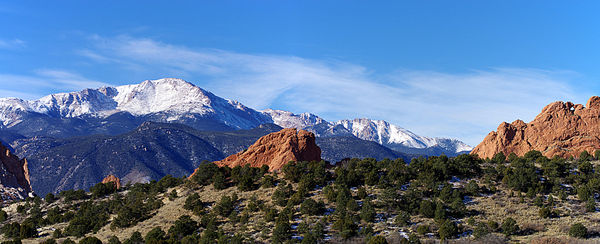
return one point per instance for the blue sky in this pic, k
(439, 68)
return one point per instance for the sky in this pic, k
(438, 68)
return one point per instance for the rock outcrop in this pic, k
(113, 179)
(277, 149)
(14, 176)
(562, 129)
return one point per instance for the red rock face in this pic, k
(14, 176)
(114, 179)
(562, 129)
(277, 149)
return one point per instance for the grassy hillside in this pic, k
(529, 199)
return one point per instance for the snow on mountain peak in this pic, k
(175, 98)
(153, 96)
(287, 119)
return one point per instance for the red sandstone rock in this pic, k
(14, 176)
(277, 149)
(562, 129)
(114, 179)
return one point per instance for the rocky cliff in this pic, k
(562, 129)
(14, 176)
(113, 179)
(277, 149)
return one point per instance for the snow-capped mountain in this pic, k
(287, 119)
(166, 99)
(378, 131)
(115, 110)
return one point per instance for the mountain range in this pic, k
(169, 126)
(116, 110)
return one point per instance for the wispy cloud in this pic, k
(43, 80)
(465, 106)
(11, 44)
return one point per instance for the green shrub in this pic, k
(480, 230)
(103, 189)
(312, 207)
(447, 230)
(90, 240)
(183, 226)
(377, 240)
(50, 198)
(578, 230)
(136, 238)
(509, 226)
(114, 240)
(3, 215)
(49, 241)
(155, 236)
(225, 206)
(194, 204)
(423, 229)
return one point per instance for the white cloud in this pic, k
(11, 44)
(465, 106)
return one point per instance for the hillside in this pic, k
(154, 150)
(485, 201)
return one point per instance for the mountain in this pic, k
(382, 132)
(117, 110)
(154, 150)
(562, 129)
(335, 149)
(151, 151)
(14, 176)
(113, 110)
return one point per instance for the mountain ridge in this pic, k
(115, 110)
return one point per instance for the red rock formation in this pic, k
(14, 176)
(277, 149)
(114, 179)
(562, 129)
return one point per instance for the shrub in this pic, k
(103, 189)
(480, 230)
(545, 212)
(282, 230)
(204, 174)
(312, 207)
(66, 241)
(219, 181)
(590, 205)
(50, 198)
(3, 215)
(402, 219)
(114, 240)
(427, 209)
(183, 226)
(155, 235)
(49, 241)
(578, 230)
(447, 230)
(225, 206)
(90, 240)
(194, 204)
(136, 238)
(173, 195)
(57, 234)
(509, 226)
(377, 240)
(423, 229)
